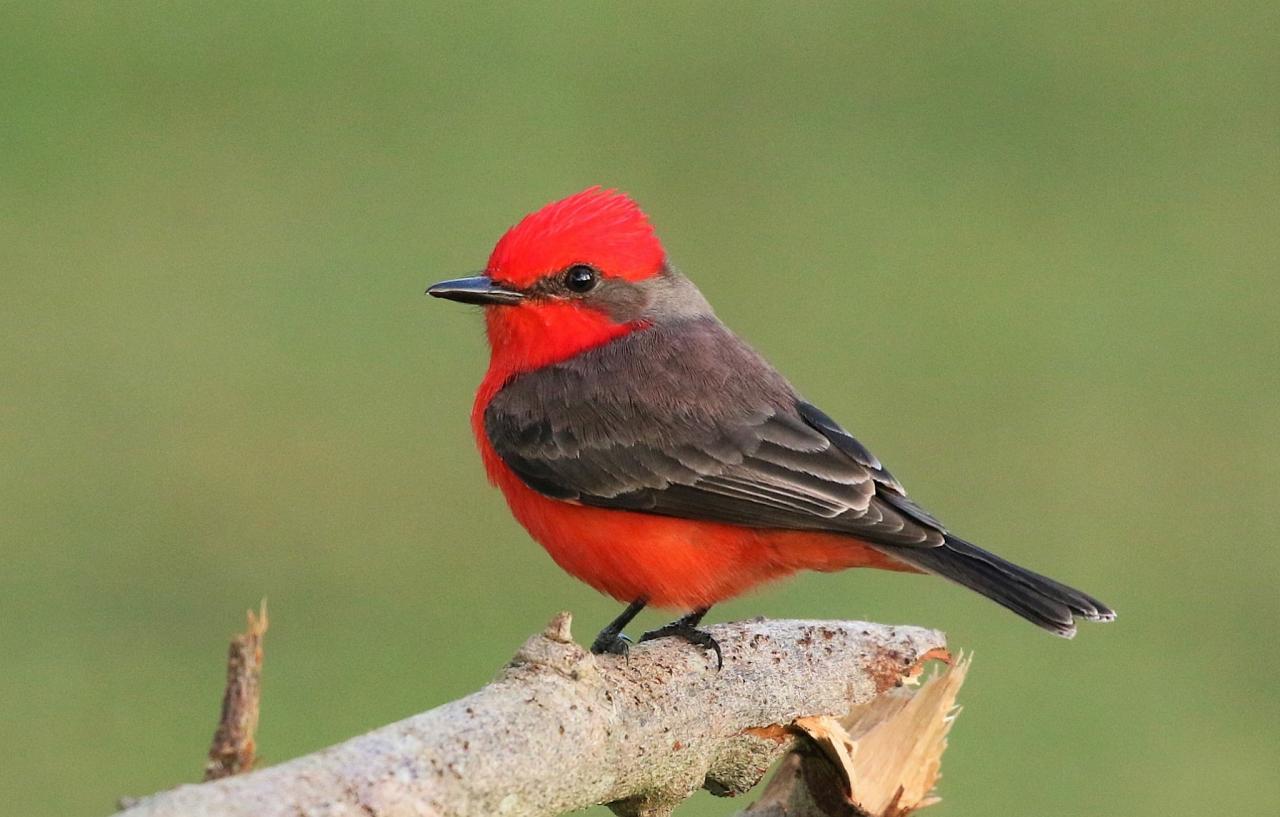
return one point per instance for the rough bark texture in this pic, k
(561, 729)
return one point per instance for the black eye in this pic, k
(581, 278)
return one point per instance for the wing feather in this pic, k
(739, 447)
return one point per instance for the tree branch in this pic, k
(561, 729)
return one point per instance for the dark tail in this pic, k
(1038, 599)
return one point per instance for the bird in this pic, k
(657, 457)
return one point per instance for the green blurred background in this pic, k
(1027, 253)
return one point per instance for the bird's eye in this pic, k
(581, 278)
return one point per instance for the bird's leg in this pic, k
(686, 627)
(611, 639)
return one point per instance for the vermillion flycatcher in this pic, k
(661, 460)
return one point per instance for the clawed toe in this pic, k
(693, 635)
(609, 644)
(611, 641)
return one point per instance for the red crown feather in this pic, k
(603, 228)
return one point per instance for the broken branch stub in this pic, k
(882, 759)
(233, 748)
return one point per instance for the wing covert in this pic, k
(744, 450)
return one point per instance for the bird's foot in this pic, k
(686, 628)
(611, 643)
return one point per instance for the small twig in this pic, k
(232, 751)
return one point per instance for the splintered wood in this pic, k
(233, 748)
(880, 760)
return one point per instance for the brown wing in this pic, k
(639, 424)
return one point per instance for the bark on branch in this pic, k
(561, 729)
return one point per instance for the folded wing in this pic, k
(748, 454)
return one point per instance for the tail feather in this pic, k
(1039, 599)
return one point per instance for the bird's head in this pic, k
(575, 274)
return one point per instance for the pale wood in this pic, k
(882, 759)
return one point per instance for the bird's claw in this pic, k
(690, 633)
(611, 644)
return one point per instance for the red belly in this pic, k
(675, 563)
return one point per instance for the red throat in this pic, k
(529, 336)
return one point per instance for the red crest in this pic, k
(603, 228)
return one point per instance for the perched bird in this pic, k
(658, 458)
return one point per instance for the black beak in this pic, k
(479, 289)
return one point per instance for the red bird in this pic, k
(658, 458)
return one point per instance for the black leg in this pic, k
(611, 639)
(686, 627)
